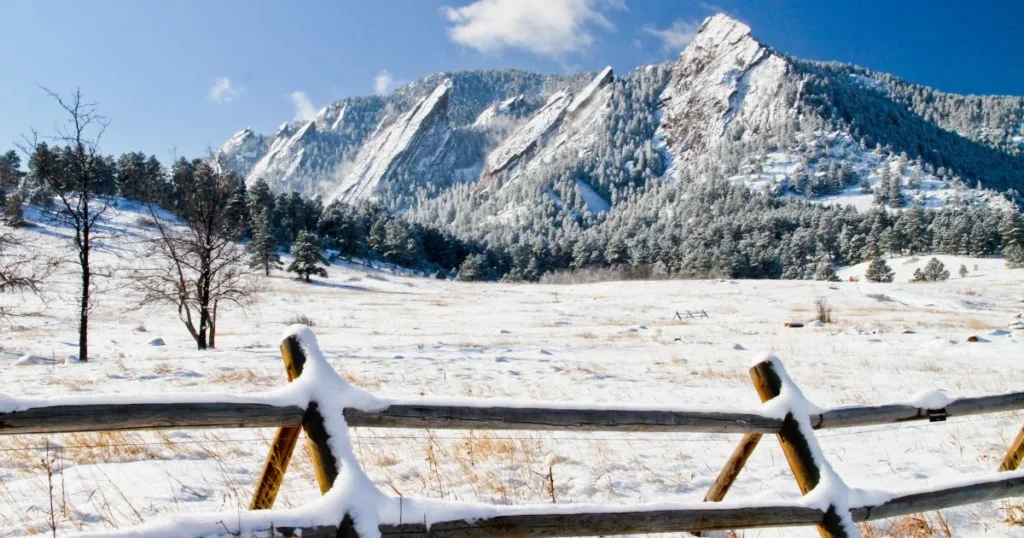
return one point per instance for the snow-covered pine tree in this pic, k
(1013, 239)
(263, 247)
(14, 211)
(825, 272)
(934, 271)
(879, 271)
(308, 257)
(895, 194)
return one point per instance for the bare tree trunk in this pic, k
(213, 327)
(83, 320)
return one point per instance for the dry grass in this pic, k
(1014, 513)
(911, 526)
(244, 376)
(979, 325)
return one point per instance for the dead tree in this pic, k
(20, 270)
(197, 266)
(72, 175)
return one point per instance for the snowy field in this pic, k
(614, 343)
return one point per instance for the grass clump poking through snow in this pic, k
(300, 319)
(823, 310)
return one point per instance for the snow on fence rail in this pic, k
(320, 403)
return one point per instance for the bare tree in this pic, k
(72, 177)
(198, 266)
(20, 271)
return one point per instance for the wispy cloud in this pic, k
(304, 109)
(382, 82)
(224, 91)
(546, 27)
(676, 37)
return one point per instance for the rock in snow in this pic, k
(156, 342)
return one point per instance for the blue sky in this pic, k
(175, 77)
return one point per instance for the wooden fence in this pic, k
(691, 315)
(794, 432)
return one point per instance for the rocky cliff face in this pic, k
(724, 79)
(417, 142)
(242, 151)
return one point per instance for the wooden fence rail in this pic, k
(795, 433)
(688, 520)
(110, 417)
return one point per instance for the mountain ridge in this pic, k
(728, 106)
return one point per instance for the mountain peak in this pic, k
(721, 24)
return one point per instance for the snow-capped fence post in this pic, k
(324, 463)
(1016, 453)
(767, 376)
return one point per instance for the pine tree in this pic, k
(263, 247)
(879, 271)
(883, 187)
(963, 271)
(14, 212)
(895, 194)
(825, 272)
(307, 257)
(474, 267)
(1013, 239)
(10, 170)
(934, 271)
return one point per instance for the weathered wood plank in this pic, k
(732, 467)
(531, 418)
(596, 524)
(1016, 453)
(111, 417)
(941, 499)
(281, 450)
(280, 455)
(795, 446)
(872, 415)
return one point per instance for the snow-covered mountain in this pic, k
(478, 147)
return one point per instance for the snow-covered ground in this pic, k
(614, 343)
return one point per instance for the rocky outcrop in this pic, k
(242, 151)
(561, 109)
(414, 142)
(724, 76)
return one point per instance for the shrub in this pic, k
(823, 310)
(300, 319)
(879, 271)
(935, 271)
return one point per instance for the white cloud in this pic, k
(224, 91)
(676, 37)
(547, 27)
(382, 82)
(304, 109)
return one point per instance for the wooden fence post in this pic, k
(1015, 454)
(732, 468)
(795, 446)
(281, 450)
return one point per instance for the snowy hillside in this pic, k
(612, 343)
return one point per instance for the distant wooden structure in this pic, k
(697, 314)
